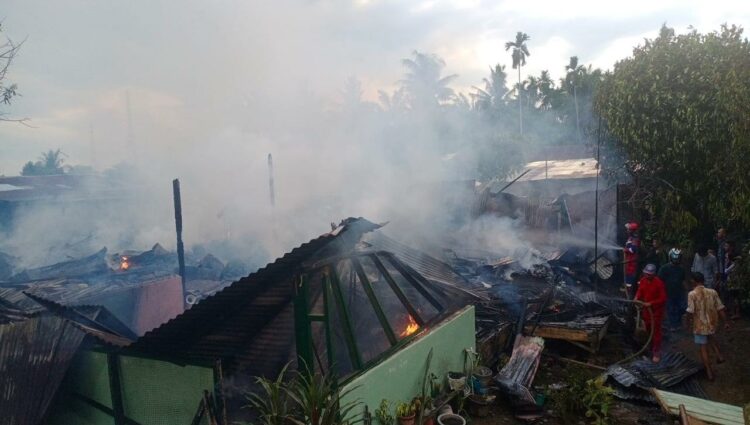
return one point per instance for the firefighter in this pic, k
(653, 295)
(630, 258)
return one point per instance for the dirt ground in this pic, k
(732, 384)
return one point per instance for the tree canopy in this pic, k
(8, 51)
(678, 111)
(49, 163)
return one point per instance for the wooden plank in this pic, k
(705, 410)
(580, 335)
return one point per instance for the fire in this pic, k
(411, 327)
(124, 263)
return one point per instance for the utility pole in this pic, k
(178, 227)
(596, 207)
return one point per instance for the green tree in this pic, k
(8, 51)
(49, 163)
(547, 91)
(492, 97)
(572, 77)
(519, 52)
(678, 111)
(424, 85)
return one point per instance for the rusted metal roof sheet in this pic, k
(230, 324)
(34, 356)
(516, 376)
(560, 169)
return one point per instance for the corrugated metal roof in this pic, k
(229, 324)
(559, 169)
(674, 372)
(705, 410)
(34, 356)
(426, 265)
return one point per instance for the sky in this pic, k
(195, 71)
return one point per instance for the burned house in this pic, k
(335, 303)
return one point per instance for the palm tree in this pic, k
(495, 90)
(519, 54)
(531, 88)
(574, 72)
(546, 90)
(423, 83)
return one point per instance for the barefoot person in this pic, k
(652, 294)
(704, 309)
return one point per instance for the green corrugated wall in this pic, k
(399, 377)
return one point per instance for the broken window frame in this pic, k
(333, 298)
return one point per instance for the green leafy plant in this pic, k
(423, 401)
(383, 413)
(404, 410)
(320, 401)
(271, 405)
(305, 399)
(582, 397)
(597, 400)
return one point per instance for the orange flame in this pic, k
(411, 327)
(124, 263)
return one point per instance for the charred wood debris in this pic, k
(528, 304)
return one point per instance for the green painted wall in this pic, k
(399, 377)
(153, 392)
(162, 393)
(87, 376)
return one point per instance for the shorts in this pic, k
(700, 339)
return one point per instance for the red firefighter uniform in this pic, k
(632, 246)
(651, 290)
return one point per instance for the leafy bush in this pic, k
(583, 397)
(383, 413)
(305, 399)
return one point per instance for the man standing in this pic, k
(630, 257)
(656, 255)
(704, 308)
(673, 276)
(652, 293)
(705, 262)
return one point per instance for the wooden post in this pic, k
(115, 391)
(178, 228)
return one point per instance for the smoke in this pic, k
(211, 119)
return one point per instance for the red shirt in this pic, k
(632, 246)
(651, 290)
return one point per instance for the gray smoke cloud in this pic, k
(215, 88)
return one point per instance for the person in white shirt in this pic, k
(706, 263)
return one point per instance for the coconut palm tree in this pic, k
(519, 53)
(423, 81)
(495, 90)
(546, 90)
(574, 72)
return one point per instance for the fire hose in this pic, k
(640, 305)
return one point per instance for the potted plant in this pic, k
(383, 413)
(406, 413)
(479, 405)
(450, 419)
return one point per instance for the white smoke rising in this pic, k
(208, 111)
